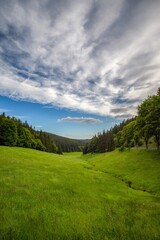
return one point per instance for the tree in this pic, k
(149, 118)
(27, 139)
(108, 140)
(144, 130)
(54, 148)
(8, 132)
(118, 139)
(13, 132)
(92, 146)
(39, 145)
(128, 134)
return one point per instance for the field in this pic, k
(101, 196)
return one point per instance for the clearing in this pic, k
(98, 196)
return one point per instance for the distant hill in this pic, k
(68, 144)
(14, 132)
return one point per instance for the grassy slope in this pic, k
(139, 168)
(47, 196)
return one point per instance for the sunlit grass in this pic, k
(49, 196)
(139, 167)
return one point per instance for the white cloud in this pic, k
(39, 126)
(80, 120)
(4, 110)
(93, 56)
(21, 117)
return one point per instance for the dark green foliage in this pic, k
(118, 139)
(149, 118)
(90, 147)
(128, 134)
(25, 139)
(8, 131)
(144, 127)
(49, 143)
(133, 132)
(39, 145)
(122, 148)
(66, 144)
(101, 143)
(106, 141)
(15, 133)
(30, 138)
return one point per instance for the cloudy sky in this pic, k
(89, 63)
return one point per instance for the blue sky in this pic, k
(90, 61)
(62, 122)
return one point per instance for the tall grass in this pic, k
(47, 196)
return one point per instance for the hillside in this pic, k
(68, 144)
(139, 169)
(49, 196)
(14, 132)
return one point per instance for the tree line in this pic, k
(131, 132)
(67, 144)
(105, 141)
(14, 132)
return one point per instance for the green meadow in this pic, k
(97, 196)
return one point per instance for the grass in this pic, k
(140, 168)
(49, 196)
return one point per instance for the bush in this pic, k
(121, 149)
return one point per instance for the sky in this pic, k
(76, 67)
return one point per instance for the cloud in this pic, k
(38, 126)
(92, 56)
(21, 117)
(80, 120)
(4, 110)
(47, 106)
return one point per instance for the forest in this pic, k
(14, 132)
(133, 132)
